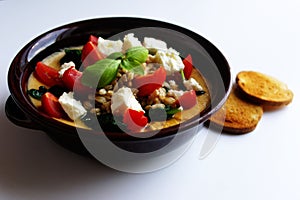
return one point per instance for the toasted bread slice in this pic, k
(237, 116)
(263, 89)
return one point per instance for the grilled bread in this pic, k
(263, 89)
(237, 116)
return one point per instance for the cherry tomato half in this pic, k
(188, 66)
(90, 54)
(135, 120)
(93, 39)
(70, 76)
(51, 105)
(150, 82)
(47, 75)
(188, 99)
(72, 81)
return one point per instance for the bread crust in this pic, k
(262, 89)
(236, 115)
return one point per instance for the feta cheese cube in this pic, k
(130, 41)
(64, 67)
(192, 84)
(173, 85)
(170, 60)
(175, 93)
(154, 44)
(122, 100)
(71, 106)
(107, 47)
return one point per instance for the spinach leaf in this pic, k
(72, 55)
(171, 111)
(107, 122)
(201, 92)
(161, 114)
(37, 94)
(57, 90)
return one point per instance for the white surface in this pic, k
(265, 164)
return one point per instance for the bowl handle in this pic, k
(17, 116)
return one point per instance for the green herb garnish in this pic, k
(115, 56)
(104, 71)
(137, 54)
(37, 94)
(101, 73)
(134, 57)
(132, 66)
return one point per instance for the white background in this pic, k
(262, 35)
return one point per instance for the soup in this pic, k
(136, 86)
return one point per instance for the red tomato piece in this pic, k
(72, 81)
(188, 99)
(93, 39)
(135, 120)
(71, 76)
(188, 66)
(47, 75)
(90, 54)
(150, 82)
(51, 106)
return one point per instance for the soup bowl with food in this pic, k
(131, 85)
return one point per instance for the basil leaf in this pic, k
(138, 70)
(132, 66)
(115, 56)
(101, 73)
(137, 54)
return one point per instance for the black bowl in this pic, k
(206, 57)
